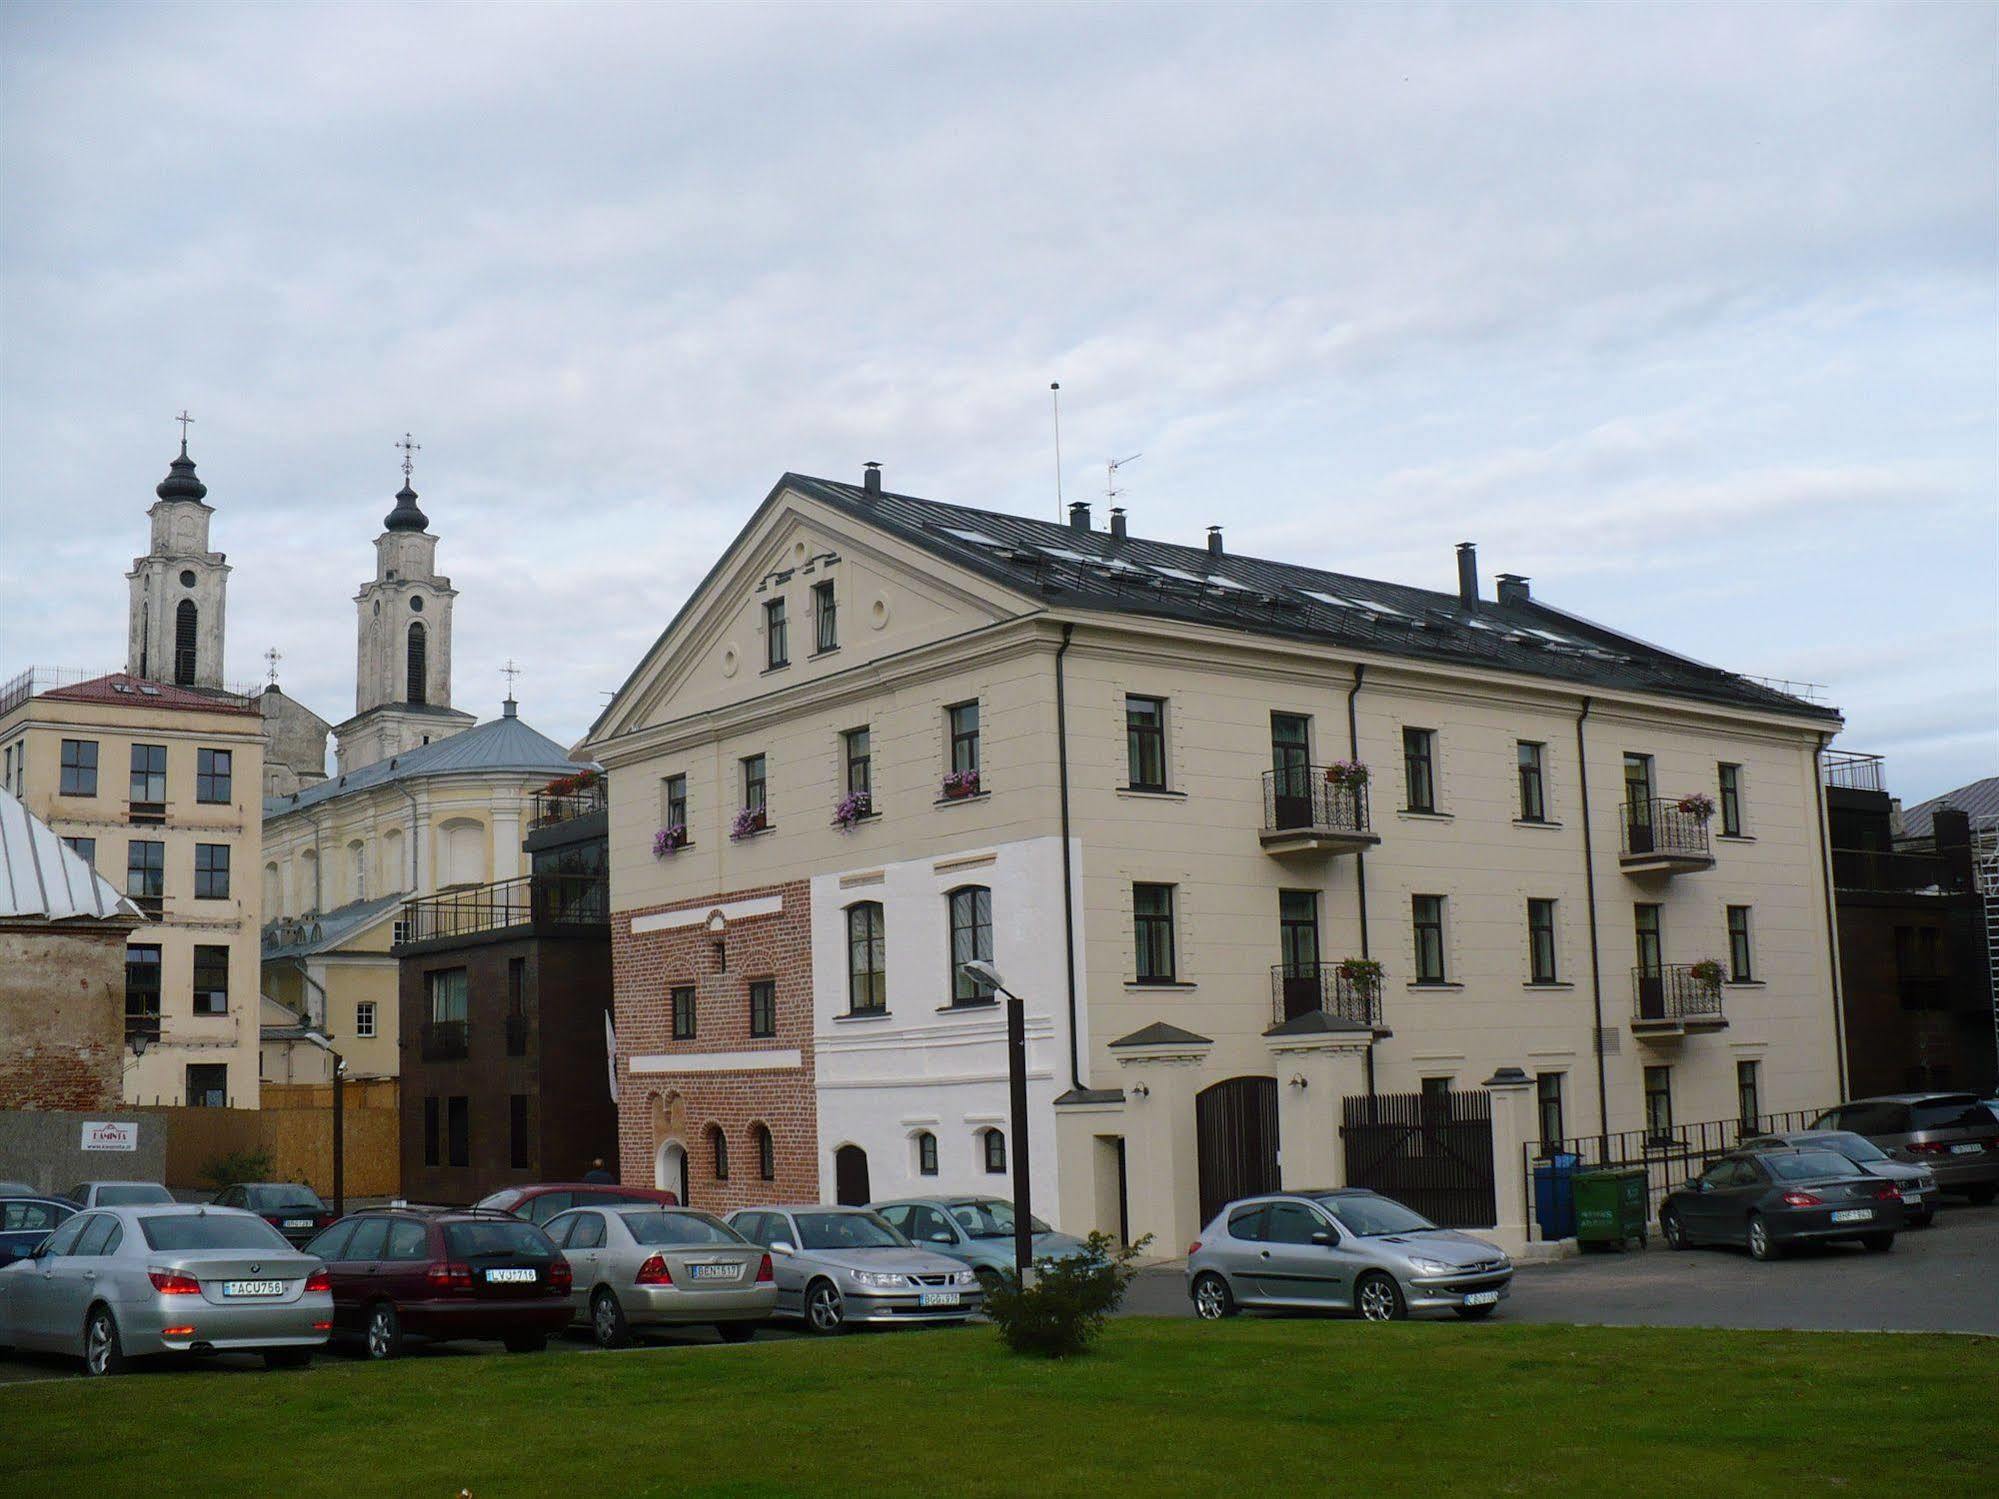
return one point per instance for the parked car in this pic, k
(114, 1284)
(118, 1194)
(294, 1210)
(978, 1231)
(399, 1272)
(26, 1220)
(1770, 1200)
(1951, 1133)
(1917, 1184)
(17, 1189)
(1344, 1249)
(839, 1266)
(654, 1266)
(541, 1201)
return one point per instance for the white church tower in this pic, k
(179, 587)
(402, 682)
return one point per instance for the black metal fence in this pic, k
(1301, 988)
(1659, 827)
(1878, 869)
(538, 900)
(1674, 992)
(1430, 1151)
(552, 807)
(1300, 797)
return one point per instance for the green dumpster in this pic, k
(1610, 1207)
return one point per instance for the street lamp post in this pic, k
(1016, 1080)
(339, 1123)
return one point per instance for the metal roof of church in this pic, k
(298, 936)
(42, 878)
(1978, 799)
(504, 744)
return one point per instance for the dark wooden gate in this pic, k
(1430, 1152)
(1235, 1122)
(850, 1176)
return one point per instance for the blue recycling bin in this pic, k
(1555, 1196)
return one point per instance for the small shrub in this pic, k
(238, 1166)
(1061, 1311)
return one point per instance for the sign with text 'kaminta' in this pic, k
(110, 1134)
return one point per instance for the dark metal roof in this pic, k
(504, 744)
(1091, 1095)
(1086, 569)
(181, 482)
(1979, 799)
(406, 516)
(1159, 1033)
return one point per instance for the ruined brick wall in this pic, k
(62, 1017)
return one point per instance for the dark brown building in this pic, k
(1914, 966)
(505, 995)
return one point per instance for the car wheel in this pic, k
(383, 1332)
(825, 1312)
(1879, 1243)
(1475, 1313)
(1675, 1234)
(1212, 1297)
(526, 1342)
(736, 1332)
(1981, 1197)
(287, 1358)
(1380, 1298)
(607, 1320)
(1761, 1245)
(103, 1353)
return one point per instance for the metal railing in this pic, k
(1302, 799)
(1659, 828)
(552, 807)
(1879, 869)
(1853, 772)
(1672, 993)
(39, 679)
(444, 1040)
(530, 900)
(1811, 692)
(1301, 988)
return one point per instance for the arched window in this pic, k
(308, 881)
(357, 869)
(719, 1144)
(867, 959)
(971, 937)
(995, 1146)
(394, 866)
(766, 1152)
(415, 691)
(187, 620)
(926, 1154)
(274, 894)
(462, 853)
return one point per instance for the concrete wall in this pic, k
(62, 1016)
(44, 1148)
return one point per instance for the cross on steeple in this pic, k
(408, 448)
(271, 659)
(185, 422)
(510, 672)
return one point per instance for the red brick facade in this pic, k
(62, 1016)
(720, 958)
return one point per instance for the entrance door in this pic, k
(669, 1170)
(850, 1176)
(1235, 1123)
(1291, 767)
(1651, 975)
(1638, 802)
(1298, 943)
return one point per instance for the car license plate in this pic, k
(1913, 1199)
(716, 1272)
(1966, 1149)
(1482, 1298)
(938, 1298)
(509, 1276)
(253, 1288)
(1852, 1215)
(298, 1223)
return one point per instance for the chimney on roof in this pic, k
(871, 478)
(1214, 541)
(1117, 523)
(1513, 589)
(1468, 574)
(1079, 515)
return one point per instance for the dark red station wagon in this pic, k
(400, 1272)
(540, 1201)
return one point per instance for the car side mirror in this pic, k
(1325, 1238)
(1703, 1185)
(782, 1246)
(942, 1236)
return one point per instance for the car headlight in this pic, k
(1430, 1267)
(965, 1278)
(880, 1280)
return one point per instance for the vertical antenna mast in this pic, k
(1055, 395)
(1111, 491)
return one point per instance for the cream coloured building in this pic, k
(1102, 762)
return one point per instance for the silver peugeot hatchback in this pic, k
(1342, 1250)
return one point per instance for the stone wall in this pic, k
(62, 1017)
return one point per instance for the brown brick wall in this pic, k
(656, 1107)
(62, 1018)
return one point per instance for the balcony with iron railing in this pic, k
(1881, 869)
(1675, 998)
(550, 808)
(37, 680)
(1301, 989)
(1852, 771)
(1661, 836)
(444, 1040)
(1305, 812)
(539, 901)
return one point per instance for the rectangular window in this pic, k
(964, 722)
(857, 749)
(1533, 786)
(1145, 742)
(430, 1132)
(211, 979)
(517, 1131)
(867, 973)
(825, 619)
(681, 998)
(1740, 968)
(753, 786)
(1541, 942)
(142, 991)
(79, 767)
(1659, 1102)
(145, 869)
(1646, 929)
(447, 992)
(458, 1129)
(1298, 932)
(1749, 1094)
(971, 937)
(1548, 1103)
(777, 647)
(1731, 799)
(207, 1085)
(1152, 932)
(212, 779)
(675, 813)
(763, 1007)
(149, 773)
(364, 1019)
(517, 1007)
(84, 848)
(1419, 764)
(211, 871)
(1428, 911)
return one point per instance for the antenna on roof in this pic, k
(1055, 395)
(271, 659)
(1111, 491)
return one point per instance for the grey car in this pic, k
(1918, 1185)
(659, 1266)
(118, 1283)
(975, 1230)
(839, 1266)
(117, 1194)
(1951, 1133)
(1341, 1250)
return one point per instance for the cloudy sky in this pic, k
(1687, 312)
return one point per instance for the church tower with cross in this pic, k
(174, 633)
(402, 679)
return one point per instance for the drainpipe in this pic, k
(1831, 921)
(1595, 949)
(1360, 856)
(1068, 875)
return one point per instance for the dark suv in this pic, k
(398, 1272)
(1952, 1134)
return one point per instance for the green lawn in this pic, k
(1161, 1407)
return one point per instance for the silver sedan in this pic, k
(123, 1282)
(1346, 1249)
(837, 1266)
(655, 1266)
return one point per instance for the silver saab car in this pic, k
(1346, 1250)
(119, 1283)
(975, 1230)
(658, 1266)
(837, 1266)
